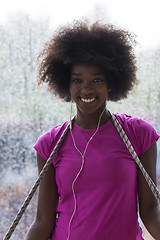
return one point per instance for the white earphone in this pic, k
(82, 165)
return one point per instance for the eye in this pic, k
(98, 80)
(76, 80)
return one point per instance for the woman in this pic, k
(90, 191)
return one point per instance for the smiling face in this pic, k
(88, 88)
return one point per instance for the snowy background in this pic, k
(26, 111)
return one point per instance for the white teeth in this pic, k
(87, 100)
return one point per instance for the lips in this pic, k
(87, 100)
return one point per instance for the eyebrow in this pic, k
(94, 74)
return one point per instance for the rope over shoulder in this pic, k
(125, 139)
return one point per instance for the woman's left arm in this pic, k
(148, 206)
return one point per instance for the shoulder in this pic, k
(53, 133)
(135, 123)
(140, 132)
(46, 141)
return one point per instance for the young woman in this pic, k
(94, 187)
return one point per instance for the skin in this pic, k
(148, 206)
(44, 222)
(88, 82)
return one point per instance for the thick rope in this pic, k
(123, 135)
(36, 184)
(150, 182)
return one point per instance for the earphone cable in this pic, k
(82, 165)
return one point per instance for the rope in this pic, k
(36, 184)
(150, 182)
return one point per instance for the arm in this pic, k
(148, 206)
(47, 203)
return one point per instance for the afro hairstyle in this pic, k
(101, 44)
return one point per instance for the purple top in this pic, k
(106, 189)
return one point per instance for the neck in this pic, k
(90, 121)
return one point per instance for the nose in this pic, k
(87, 88)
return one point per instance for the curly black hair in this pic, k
(101, 44)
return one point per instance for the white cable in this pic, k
(82, 165)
